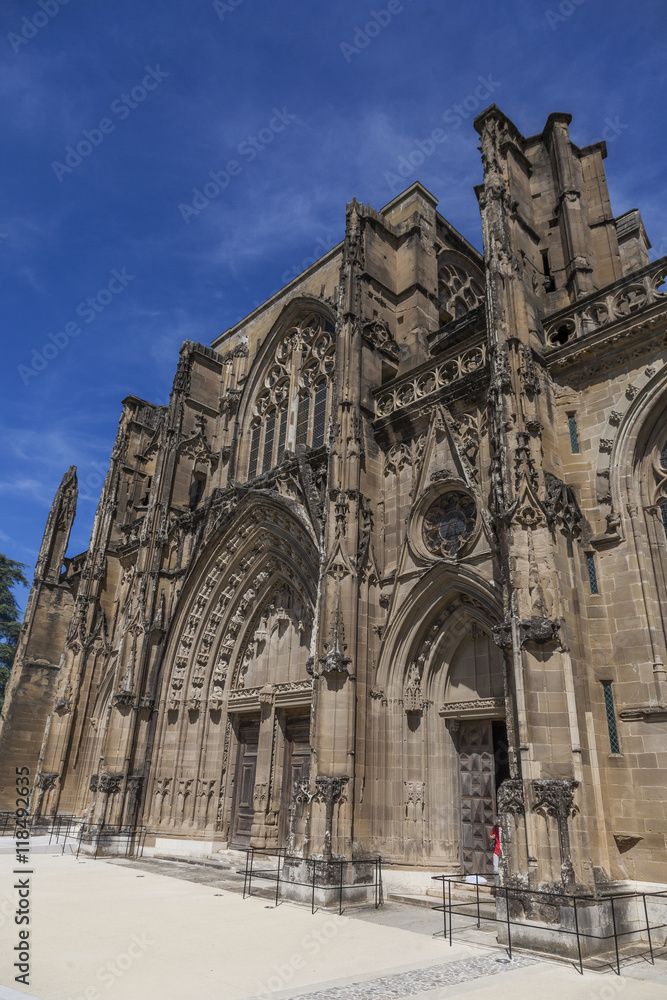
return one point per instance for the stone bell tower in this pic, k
(549, 240)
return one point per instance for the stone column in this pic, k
(264, 822)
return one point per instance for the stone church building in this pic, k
(393, 560)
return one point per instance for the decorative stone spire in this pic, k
(58, 527)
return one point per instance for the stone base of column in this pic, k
(331, 884)
(550, 927)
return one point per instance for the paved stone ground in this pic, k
(415, 982)
(196, 939)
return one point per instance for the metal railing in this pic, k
(577, 903)
(106, 835)
(322, 872)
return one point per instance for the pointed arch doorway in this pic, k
(474, 710)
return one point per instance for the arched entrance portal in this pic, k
(474, 709)
(234, 732)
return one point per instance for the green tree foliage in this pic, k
(10, 626)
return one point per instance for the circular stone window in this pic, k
(449, 523)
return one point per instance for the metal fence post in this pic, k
(312, 902)
(648, 928)
(449, 896)
(576, 924)
(613, 920)
(509, 928)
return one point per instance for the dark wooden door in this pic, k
(477, 769)
(296, 765)
(246, 767)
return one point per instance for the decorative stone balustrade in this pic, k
(631, 295)
(424, 382)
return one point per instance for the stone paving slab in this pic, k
(419, 981)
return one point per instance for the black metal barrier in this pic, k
(325, 867)
(59, 826)
(533, 895)
(72, 831)
(104, 834)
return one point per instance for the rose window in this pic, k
(449, 523)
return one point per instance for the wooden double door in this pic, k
(296, 765)
(483, 764)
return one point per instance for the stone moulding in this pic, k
(613, 304)
(288, 693)
(423, 383)
(643, 713)
(476, 708)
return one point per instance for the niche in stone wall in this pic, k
(476, 668)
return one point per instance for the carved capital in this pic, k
(510, 797)
(556, 795)
(329, 789)
(47, 780)
(110, 783)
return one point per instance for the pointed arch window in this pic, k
(294, 402)
(254, 450)
(269, 432)
(319, 412)
(282, 433)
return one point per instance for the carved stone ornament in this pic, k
(556, 795)
(376, 332)
(123, 698)
(412, 693)
(267, 695)
(329, 789)
(302, 792)
(94, 781)
(46, 780)
(510, 797)
(535, 629)
(110, 783)
(561, 504)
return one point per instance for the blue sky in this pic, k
(169, 92)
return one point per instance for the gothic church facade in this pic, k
(393, 560)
